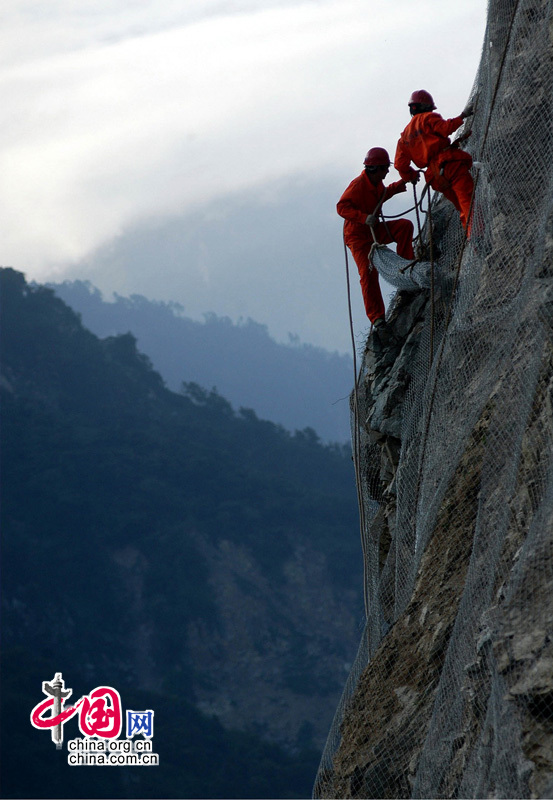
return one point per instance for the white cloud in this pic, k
(122, 111)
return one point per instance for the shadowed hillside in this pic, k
(295, 385)
(161, 543)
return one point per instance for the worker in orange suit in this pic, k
(425, 142)
(360, 207)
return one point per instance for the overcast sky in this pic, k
(194, 151)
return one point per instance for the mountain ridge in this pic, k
(195, 547)
(295, 385)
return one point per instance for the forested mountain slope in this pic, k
(162, 543)
(295, 385)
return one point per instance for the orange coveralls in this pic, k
(425, 142)
(358, 201)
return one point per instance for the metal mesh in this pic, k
(408, 275)
(451, 694)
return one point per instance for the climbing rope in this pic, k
(440, 355)
(356, 439)
(418, 204)
(417, 213)
(432, 288)
(458, 270)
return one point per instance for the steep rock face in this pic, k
(451, 694)
(501, 734)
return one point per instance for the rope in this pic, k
(356, 440)
(408, 210)
(485, 137)
(417, 209)
(432, 289)
(417, 212)
(356, 437)
(458, 268)
(376, 212)
(440, 355)
(375, 244)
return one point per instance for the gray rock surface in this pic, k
(452, 691)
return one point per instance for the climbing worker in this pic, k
(360, 207)
(425, 142)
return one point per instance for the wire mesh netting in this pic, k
(451, 693)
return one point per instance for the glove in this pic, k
(371, 220)
(468, 111)
(415, 176)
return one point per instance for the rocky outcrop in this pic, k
(452, 692)
(500, 681)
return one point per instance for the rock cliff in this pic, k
(452, 691)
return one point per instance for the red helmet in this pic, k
(422, 97)
(377, 157)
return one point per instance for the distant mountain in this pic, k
(202, 561)
(295, 385)
(273, 253)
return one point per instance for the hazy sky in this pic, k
(195, 150)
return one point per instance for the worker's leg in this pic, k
(370, 287)
(400, 231)
(462, 187)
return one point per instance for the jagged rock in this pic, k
(452, 692)
(389, 365)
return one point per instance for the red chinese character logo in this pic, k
(99, 712)
(97, 719)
